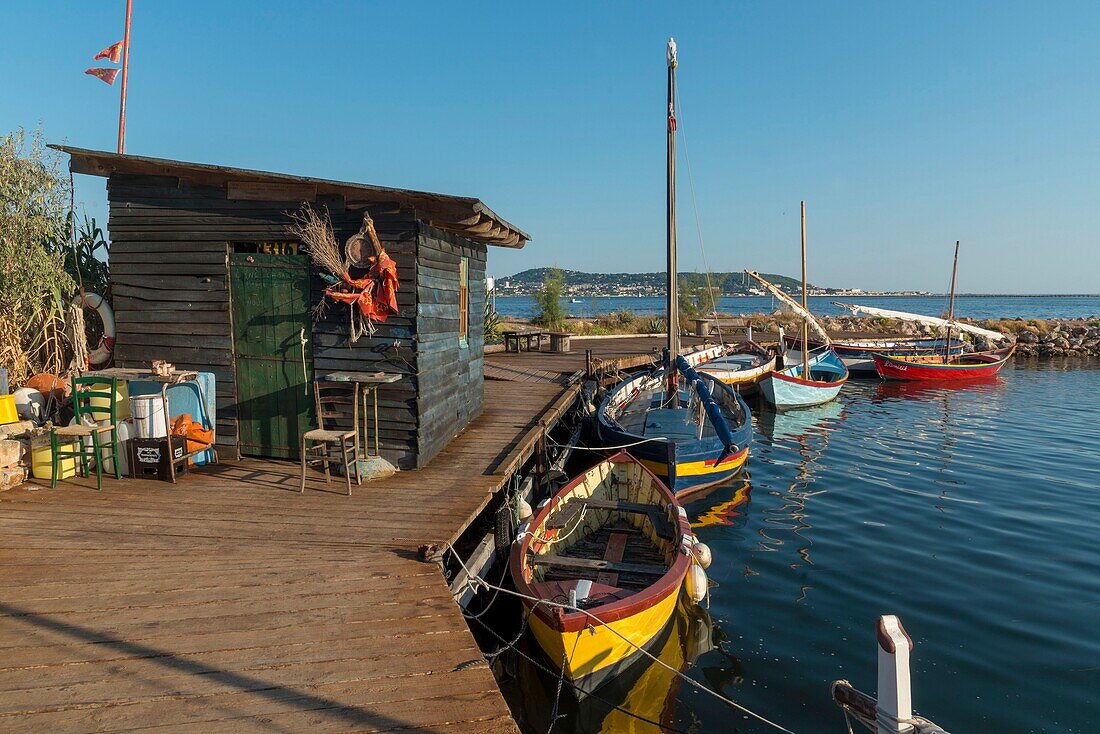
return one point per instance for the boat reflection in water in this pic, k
(900, 390)
(782, 427)
(806, 433)
(642, 699)
(730, 512)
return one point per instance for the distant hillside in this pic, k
(642, 284)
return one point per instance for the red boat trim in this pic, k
(565, 621)
(802, 381)
(729, 459)
(904, 369)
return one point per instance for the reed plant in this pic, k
(35, 206)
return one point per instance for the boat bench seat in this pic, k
(589, 564)
(566, 516)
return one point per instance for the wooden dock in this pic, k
(230, 602)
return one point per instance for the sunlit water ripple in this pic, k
(971, 512)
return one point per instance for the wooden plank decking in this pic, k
(230, 602)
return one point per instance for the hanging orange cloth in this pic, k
(374, 295)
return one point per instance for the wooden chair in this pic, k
(76, 433)
(334, 401)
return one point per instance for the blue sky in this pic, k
(905, 126)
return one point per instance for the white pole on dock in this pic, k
(895, 695)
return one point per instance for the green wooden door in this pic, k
(271, 312)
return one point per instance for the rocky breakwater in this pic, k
(1061, 339)
(1034, 337)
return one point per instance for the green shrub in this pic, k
(622, 317)
(494, 324)
(548, 300)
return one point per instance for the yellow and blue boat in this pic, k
(692, 431)
(614, 544)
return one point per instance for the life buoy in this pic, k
(101, 355)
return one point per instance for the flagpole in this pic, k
(125, 75)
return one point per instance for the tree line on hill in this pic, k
(576, 282)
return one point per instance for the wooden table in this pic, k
(366, 383)
(175, 377)
(515, 336)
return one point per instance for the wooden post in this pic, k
(673, 297)
(951, 305)
(588, 363)
(805, 304)
(895, 699)
(125, 79)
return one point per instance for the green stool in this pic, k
(83, 396)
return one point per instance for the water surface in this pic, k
(978, 307)
(972, 512)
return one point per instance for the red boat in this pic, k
(937, 367)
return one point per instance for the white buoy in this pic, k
(521, 531)
(29, 404)
(895, 696)
(525, 513)
(701, 552)
(696, 582)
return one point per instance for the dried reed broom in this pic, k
(318, 240)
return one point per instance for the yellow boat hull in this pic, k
(599, 652)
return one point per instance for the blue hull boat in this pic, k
(791, 387)
(692, 439)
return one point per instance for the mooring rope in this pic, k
(512, 645)
(477, 580)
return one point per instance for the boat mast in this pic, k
(951, 305)
(673, 300)
(805, 304)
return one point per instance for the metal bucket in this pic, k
(149, 418)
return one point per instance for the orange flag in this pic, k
(112, 52)
(107, 75)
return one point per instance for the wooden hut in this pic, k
(206, 275)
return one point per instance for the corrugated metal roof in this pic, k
(465, 216)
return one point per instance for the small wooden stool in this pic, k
(559, 341)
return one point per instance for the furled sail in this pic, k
(792, 305)
(993, 336)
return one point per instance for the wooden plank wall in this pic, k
(170, 281)
(332, 351)
(451, 382)
(170, 244)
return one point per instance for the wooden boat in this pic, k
(699, 438)
(615, 543)
(856, 354)
(817, 377)
(646, 689)
(690, 429)
(742, 366)
(812, 381)
(946, 366)
(970, 366)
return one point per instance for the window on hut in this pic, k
(464, 301)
